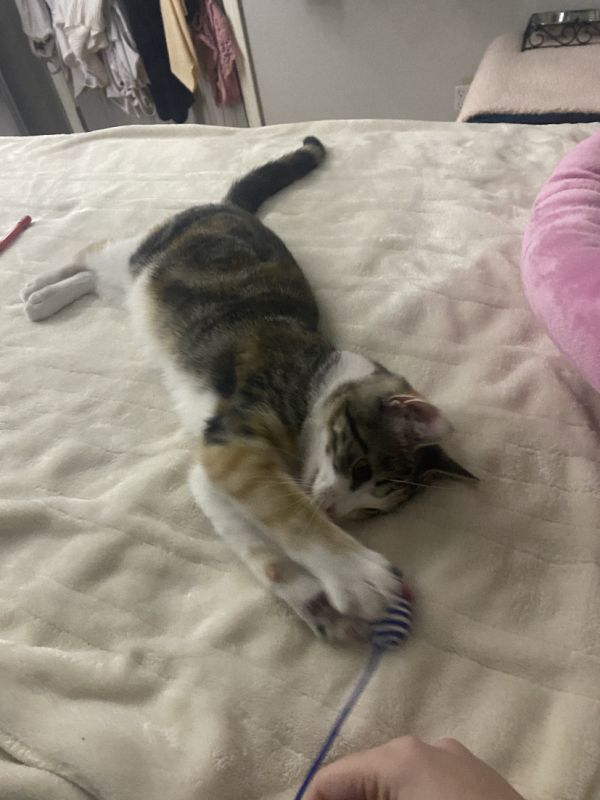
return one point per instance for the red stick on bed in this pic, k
(21, 225)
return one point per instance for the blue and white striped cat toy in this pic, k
(388, 632)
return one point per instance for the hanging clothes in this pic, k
(36, 21)
(171, 97)
(182, 53)
(90, 41)
(217, 52)
(127, 79)
(80, 33)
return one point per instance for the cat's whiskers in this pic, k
(275, 484)
(317, 508)
(272, 483)
(424, 485)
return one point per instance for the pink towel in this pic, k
(561, 256)
(217, 52)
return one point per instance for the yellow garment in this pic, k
(182, 54)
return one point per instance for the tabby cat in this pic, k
(290, 435)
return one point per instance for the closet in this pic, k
(81, 89)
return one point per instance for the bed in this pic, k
(539, 86)
(138, 659)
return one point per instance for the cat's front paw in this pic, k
(304, 594)
(328, 624)
(360, 584)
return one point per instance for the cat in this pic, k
(290, 436)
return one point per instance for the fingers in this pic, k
(354, 777)
(366, 775)
(450, 745)
(409, 769)
(372, 773)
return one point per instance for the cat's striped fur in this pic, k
(284, 427)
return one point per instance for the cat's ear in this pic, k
(407, 412)
(436, 463)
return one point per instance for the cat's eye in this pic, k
(361, 472)
(373, 512)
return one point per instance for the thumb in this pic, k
(350, 778)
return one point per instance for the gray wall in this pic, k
(11, 123)
(27, 77)
(336, 59)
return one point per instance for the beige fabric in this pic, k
(550, 79)
(138, 660)
(182, 53)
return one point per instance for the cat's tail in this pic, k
(251, 191)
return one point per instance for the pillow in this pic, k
(560, 263)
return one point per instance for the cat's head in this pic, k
(379, 446)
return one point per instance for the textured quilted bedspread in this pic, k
(138, 660)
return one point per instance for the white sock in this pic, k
(47, 278)
(52, 298)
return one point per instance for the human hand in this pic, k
(409, 769)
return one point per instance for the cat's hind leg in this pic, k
(53, 297)
(102, 265)
(49, 278)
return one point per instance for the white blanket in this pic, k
(138, 659)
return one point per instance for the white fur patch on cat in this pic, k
(193, 402)
(318, 469)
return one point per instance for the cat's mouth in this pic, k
(309, 484)
(322, 500)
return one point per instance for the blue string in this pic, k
(361, 685)
(388, 632)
